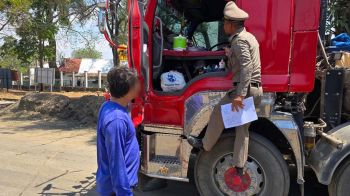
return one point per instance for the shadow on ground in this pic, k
(84, 187)
(312, 188)
(173, 189)
(93, 140)
(48, 124)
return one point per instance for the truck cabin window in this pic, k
(203, 32)
(181, 26)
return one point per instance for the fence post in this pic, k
(61, 79)
(99, 79)
(86, 79)
(20, 80)
(30, 80)
(53, 81)
(73, 79)
(9, 80)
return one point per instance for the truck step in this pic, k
(165, 166)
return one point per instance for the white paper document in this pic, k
(243, 116)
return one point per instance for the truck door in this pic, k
(138, 54)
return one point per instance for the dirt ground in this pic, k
(17, 94)
(44, 157)
(78, 94)
(11, 95)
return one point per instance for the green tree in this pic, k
(89, 52)
(13, 11)
(40, 24)
(338, 20)
(8, 55)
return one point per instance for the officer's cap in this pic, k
(233, 12)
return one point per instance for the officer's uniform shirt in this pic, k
(244, 60)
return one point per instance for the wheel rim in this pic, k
(227, 181)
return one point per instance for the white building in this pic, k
(80, 67)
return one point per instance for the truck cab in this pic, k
(287, 31)
(288, 45)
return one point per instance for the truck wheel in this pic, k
(267, 173)
(339, 185)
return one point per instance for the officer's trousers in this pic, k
(216, 127)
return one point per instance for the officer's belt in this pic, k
(252, 84)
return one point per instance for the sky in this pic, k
(66, 44)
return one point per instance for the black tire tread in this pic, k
(337, 178)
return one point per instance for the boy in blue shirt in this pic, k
(117, 147)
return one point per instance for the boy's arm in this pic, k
(115, 145)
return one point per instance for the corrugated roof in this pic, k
(70, 65)
(92, 66)
(95, 65)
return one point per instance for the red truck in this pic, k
(287, 31)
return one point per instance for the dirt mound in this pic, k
(45, 103)
(84, 109)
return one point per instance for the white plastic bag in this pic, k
(172, 81)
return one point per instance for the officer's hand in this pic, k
(237, 103)
(227, 51)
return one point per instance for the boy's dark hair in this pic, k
(120, 81)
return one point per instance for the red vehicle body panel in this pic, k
(270, 21)
(135, 55)
(307, 14)
(304, 48)
(302, 67)
(170, 109)
(287, 33)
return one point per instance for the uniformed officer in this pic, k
(244, 61)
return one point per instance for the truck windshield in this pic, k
(174, 23)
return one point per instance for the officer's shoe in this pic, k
(240, 171)
(195, 142)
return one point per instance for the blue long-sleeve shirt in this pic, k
(117, 151)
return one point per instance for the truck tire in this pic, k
(266, 168)
(340, 184)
